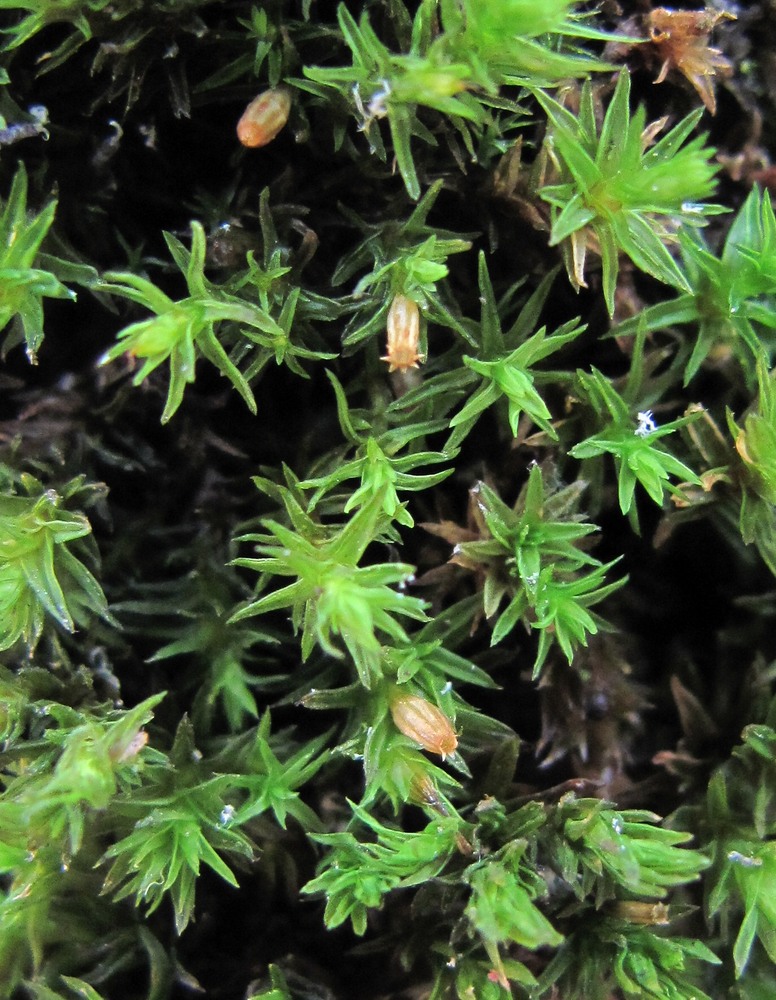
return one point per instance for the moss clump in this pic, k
(381, 601)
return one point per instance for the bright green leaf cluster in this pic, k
(503, 373)
(617, 191)
(506, 374)
(456, 72)
(178, 820)
(731, 297)
(332, 594)
(502, 908)
(381, 84)
(607, 953)
(381, 470)
(272, 784)
(356, 874)
(395, 769)
(63, 769)
(23, 286)
(515, 39)
(90, 758)
(181, 331)
(43, 578)
(610, 852)
(530, 554)
(629, 431)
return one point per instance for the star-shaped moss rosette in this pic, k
(618, 190)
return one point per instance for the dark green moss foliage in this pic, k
(453, 680)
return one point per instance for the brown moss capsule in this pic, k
(403, 335)
(264, 117)
(424, 723)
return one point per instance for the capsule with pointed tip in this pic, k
(424, 723)
(264, 117)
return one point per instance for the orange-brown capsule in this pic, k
(403, 335)
(264, 117)
(424, 723)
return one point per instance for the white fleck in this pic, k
(376, 106)
(447, 688)
(39, 112)
(646, 424)
(227, 815)
(374, 109)
(148, 133)
(744, 859)
(617, 824)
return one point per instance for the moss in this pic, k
(385, 608)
